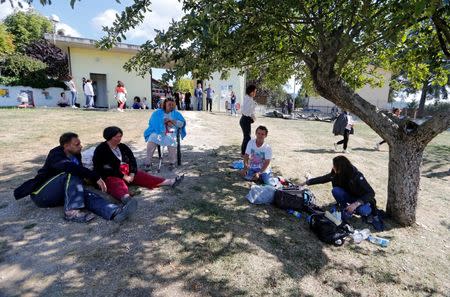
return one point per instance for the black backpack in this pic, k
(327, 231)
(293, 198)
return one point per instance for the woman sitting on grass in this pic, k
(351, 191)
(115, 163)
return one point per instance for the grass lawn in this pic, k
(204, 238)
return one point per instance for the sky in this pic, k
(88, 17)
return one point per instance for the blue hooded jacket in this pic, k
(156, 123)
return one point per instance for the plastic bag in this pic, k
(261, 194)
(239, 164)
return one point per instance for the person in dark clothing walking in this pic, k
(343, 126)
(248, 116)
(187, 100)
(351, 191)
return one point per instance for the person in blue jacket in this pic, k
(162, 130)
(351, 191)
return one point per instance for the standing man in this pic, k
(248, 116)
(209, 96)
(89, 94)
(60, 182)
(198, 93)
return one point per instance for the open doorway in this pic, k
(100, 90)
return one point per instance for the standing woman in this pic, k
(248, 116)
(120, 95)
(233, 104)
(343, 126)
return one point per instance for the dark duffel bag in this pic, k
(293, 198)
(327, 231)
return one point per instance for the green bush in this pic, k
(21, 70)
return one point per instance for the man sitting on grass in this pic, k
(60, 183)
(257, 159)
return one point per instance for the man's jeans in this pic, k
(74, 97)
(233, 108)
(344, 199)
(264, 177)
(68, 190)
(89, 100)
(199, 103)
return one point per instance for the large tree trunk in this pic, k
(403, 183)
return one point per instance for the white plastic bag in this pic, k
(261, 194)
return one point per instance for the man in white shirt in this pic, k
(257, 159)
(89, 93)
(248, 116)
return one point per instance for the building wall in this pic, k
(42, 97)
(222, 89)
(86, 60)
(375, 96)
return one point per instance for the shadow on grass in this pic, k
(435, 161)
(177, 238)
(316, 151)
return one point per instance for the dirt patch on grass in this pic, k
(203, 238)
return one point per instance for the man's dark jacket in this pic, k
(357, 186)
(56, 162)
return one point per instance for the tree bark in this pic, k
(423, 98)
(405, 159)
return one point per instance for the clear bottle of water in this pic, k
(383, 242)
(360, 235)
(295, 213)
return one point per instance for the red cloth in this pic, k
(118, 188)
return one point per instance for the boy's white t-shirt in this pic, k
(257, 155)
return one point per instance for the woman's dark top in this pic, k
(356, 186)
(107, 164)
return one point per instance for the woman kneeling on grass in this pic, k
(351, 191)
(115, 163)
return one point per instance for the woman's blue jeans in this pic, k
(344, 199)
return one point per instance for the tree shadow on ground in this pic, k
(435, 161)
(316, 151)
(201, 238)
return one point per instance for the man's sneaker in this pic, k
(345, 151)
(377, 223)
(125, 211)
(335, 147)
(77, 216)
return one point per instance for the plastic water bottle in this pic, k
(295, 213)
(360, 235)
(332, 218)
(383, 242)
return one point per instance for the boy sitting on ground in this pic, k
(257, 159)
